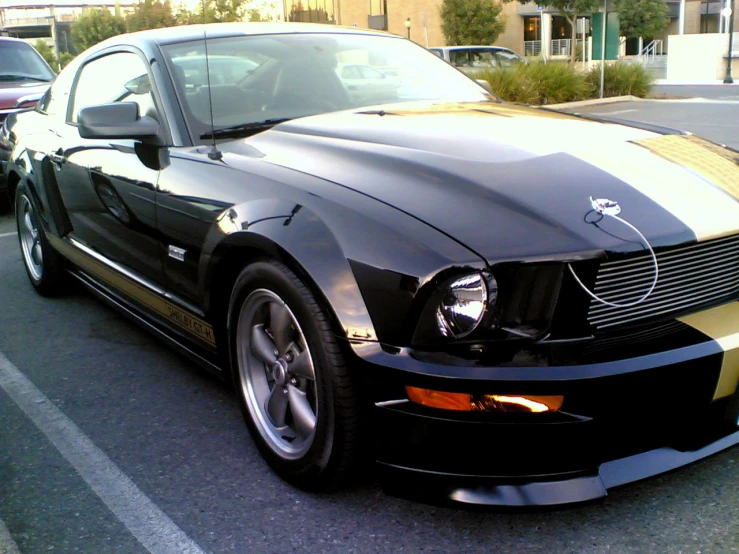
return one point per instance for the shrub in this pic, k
(511, 85)
(622, 79)
(554, 82)
(539, 83)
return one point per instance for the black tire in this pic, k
(44, 265)
(274, 379)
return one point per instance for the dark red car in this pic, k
(24, 78)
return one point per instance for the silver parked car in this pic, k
(474, 59)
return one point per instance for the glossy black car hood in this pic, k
(508, 182)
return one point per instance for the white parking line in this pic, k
(8, 234)
(7, 544)
(150, 525)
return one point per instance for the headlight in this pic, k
(463, 304)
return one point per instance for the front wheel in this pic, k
(44, 265)
(296, 393)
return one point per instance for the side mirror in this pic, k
(484, 84)
(116, 121)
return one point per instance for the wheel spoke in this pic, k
(29, 224)
(305, 419)
(262, 346)
(277, 406)
(281, 326)
(37, 253)
(302, 366)
(286, 433)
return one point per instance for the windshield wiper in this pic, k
(244, 129)
(6, 77)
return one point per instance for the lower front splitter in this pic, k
(543, 490)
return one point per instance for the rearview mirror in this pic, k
(115, 121)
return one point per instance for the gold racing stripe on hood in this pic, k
(722, 325)
(709, 210)
(715, 163)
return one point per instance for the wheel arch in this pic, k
(322, 267)
(13, 180)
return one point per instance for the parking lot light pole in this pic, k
(408, 26)
(730, 14)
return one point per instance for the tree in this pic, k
(46, 52)
(262, 13)
(65, 58)
(642, 18)
(471, 21)
(150, 14)
(216, 11)
(94, 26)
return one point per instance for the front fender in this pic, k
(280, 227)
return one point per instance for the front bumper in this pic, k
(622, 420)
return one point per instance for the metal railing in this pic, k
(651, 50)
(562, 47)
(531, 47)
(558, 47)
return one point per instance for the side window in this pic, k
(459, 58)
(57, 97)
(483, 58)
(349, 72)
(370, 73)
(508, 59)
(119, 77)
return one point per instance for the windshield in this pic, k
(19, 61)
(251, 79)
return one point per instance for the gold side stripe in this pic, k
(171, 312)
(718, 165)
(722, 325)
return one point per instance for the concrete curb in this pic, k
(594, 101)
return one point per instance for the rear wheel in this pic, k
(44, 265)
(297, 396)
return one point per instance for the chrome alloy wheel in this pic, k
(276, 374)
(30, 239)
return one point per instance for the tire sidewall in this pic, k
(24, 192)
(53, 281)
(307, 470)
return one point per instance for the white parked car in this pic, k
(473, 59)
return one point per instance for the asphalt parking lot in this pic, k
(111, 442)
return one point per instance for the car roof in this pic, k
(468, 46)
(187, 33)
(11, 39)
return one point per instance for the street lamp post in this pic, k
(408, 26)
(730, 14)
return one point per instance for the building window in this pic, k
(561, 28)
(532, 27)
(310, 11)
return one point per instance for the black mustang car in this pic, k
(498, 304)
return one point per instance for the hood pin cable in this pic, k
(611, 209)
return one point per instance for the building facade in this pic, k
(529, 30)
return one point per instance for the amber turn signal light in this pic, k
(483, 402)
